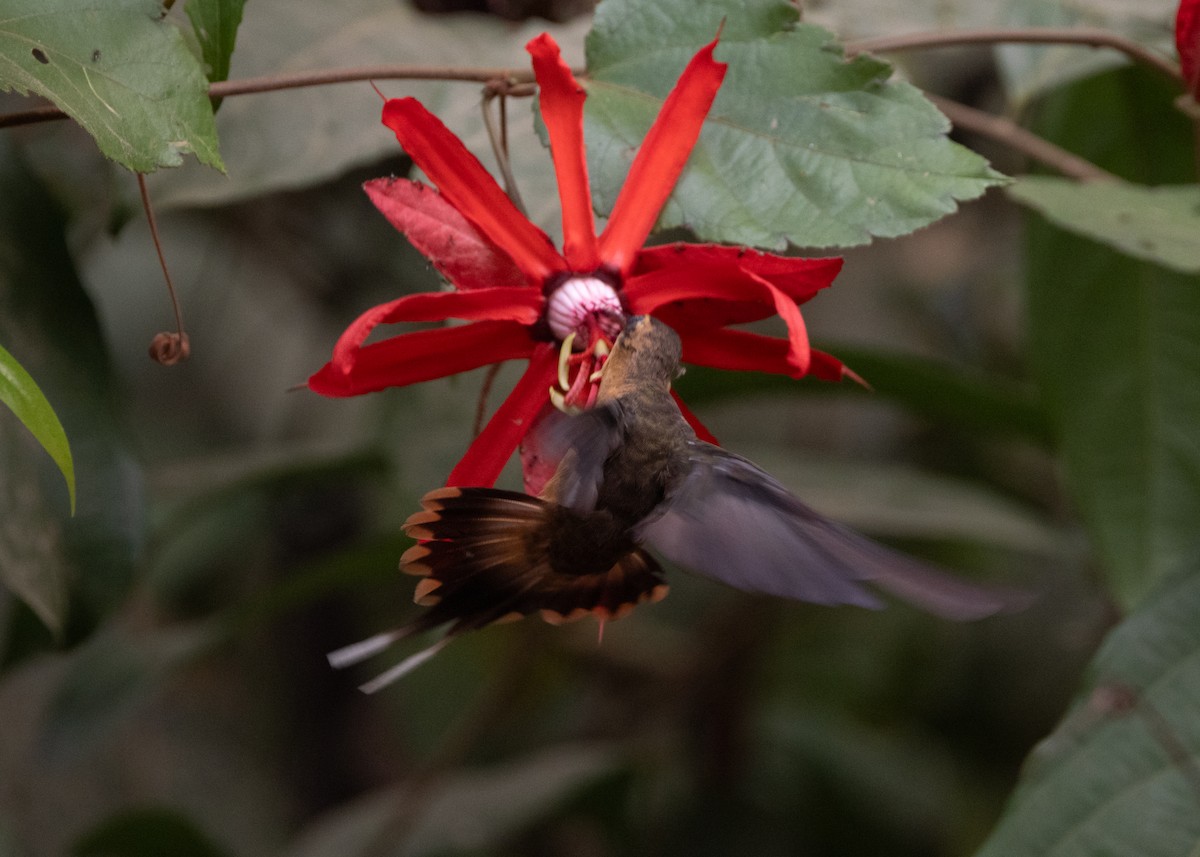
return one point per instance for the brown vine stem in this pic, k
(1088, 36)
(1015, 137)
(166, 348)
(499, 90)
(324, 77)
(31, 116)
(275, 82)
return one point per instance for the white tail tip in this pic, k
(404, 667)
(360, 651)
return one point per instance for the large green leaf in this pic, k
(215, 23)
(1120, 775)
(31, 563)
(801, 145)
(21, 393)
(1160, 224)
(298, 138)
(119, 70)
(46, 317)
(1116, 346)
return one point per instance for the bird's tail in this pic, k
(485, 555)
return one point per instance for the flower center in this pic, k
(581, 304)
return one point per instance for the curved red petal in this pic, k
(696, 312)
(698, 427)
(501, 304)
(420, 356)
(443, 235)
(829, 368)
(660, 159)
(498, 304)
(561, 99)
(738, 351)
(799, 278)
(705, 313)
(470, 188)
(1187, 41)
(722, 282)
(489, 452)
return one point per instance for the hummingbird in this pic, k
(633, 481)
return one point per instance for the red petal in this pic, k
(725, 282)
(711, 313)
(420, 356)
(742, 351)
(798, 278)
(490, 451)
(660, 159)
(470, 188)
(501, 304)
(561, 99)
(440, 233)
(698, 427)
(737, 350)
(1187, 40)
(829, 368)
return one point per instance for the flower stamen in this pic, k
(564, 360)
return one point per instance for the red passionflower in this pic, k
(1187, 40)
(522, 298)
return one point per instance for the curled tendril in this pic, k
(168, 349)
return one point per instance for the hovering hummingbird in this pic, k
(633, 478)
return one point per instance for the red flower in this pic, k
(1187, 40)
(522, 297)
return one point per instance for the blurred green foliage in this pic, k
(230, 532)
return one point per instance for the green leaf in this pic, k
(146, 832)
(1120, 775)
(215, 23)
(1117, 350)
(21, 393)
(801, 146)
(32, 565)
(46, 317)
(119, 70)
(283, 140)
(1116, 346)
(1159, 224)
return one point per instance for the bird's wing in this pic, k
(583, 443)
(729, 520)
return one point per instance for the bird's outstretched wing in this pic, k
(582, 443)
(729, 520)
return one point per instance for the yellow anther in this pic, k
(559, 401)
(564, 356)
